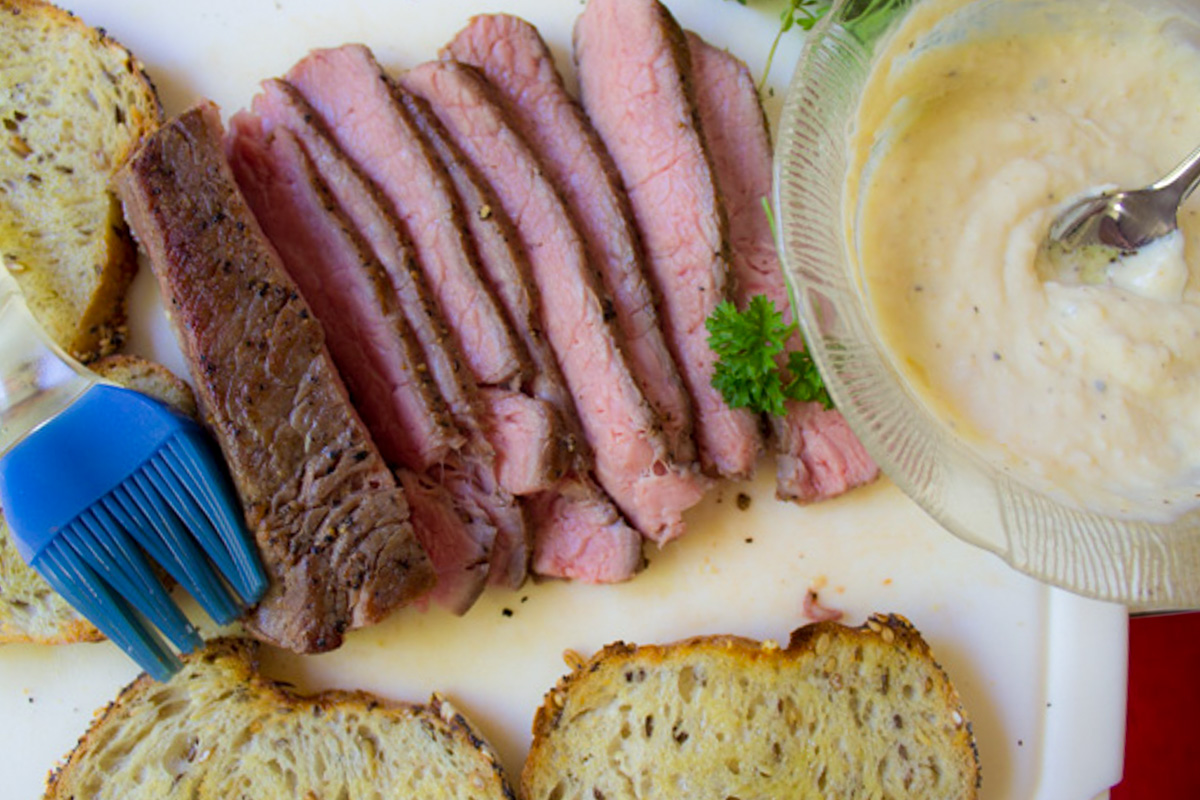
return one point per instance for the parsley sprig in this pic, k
(747, 372)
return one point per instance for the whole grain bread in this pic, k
(30, 611)
(840, 712)
(220, 729)
(73, 105)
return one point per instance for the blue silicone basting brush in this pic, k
(99, 484)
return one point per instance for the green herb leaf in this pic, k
(806, 383)
(747, 373)
(801, 14)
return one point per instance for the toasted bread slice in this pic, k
(841, 712)
(30, 611)
(219, 729)
(73, 104)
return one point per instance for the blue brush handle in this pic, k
(37, 379)
(84, 444)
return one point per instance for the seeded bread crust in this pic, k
(219, 729)
(840, 712)
(30, 611)
(73, 105)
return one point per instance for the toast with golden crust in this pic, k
(73, 105)
(840, 712)
(30, 611)
(220, 729)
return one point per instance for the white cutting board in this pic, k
(1042, 672)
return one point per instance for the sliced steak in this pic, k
(582, 536)
(633, 462)
(471, 472)
(331, 523)
(457, 536)
(372, 346)
(578, 531)
(351, 93)
(350, 292)
(514, 58)
(506, 269)
(634, 78)
(280, 105)
(817, 456)
(519, 420)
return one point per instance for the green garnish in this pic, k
(747, 373)
(801, 14)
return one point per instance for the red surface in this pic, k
(1162, 737)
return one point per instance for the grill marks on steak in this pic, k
(516, 61)
(493, 528)
(634, 76)
(817, 456)
(331, 524)
(633, 463)
(372, 347)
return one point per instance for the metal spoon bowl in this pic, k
(1098, 230)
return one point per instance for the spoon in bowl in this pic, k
(1094, 233)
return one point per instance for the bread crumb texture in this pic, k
(840, 713)
(219, 729)
(73, 106)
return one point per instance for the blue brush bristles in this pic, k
(113, 485)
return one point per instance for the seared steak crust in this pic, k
(350, 292)
(331, 524)
(371, 240)
(372, 346)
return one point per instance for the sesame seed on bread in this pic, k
(220, 729)
(73, 105)
(845, 712)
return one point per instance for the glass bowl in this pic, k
(1145, 565)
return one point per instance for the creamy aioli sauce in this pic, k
(983, 121)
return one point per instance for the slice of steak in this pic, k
(578, 531)
(633, 462)
(520, 420)
(514, 58)
(634, 78)
(474, 472)
(582, 536)
(280, 105)
(370, 341)
(349, 291)
(456, 535)
(506, 269)
(331, 523)
(817, 456)
(350, 92)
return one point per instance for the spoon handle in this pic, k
(1180, 182)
